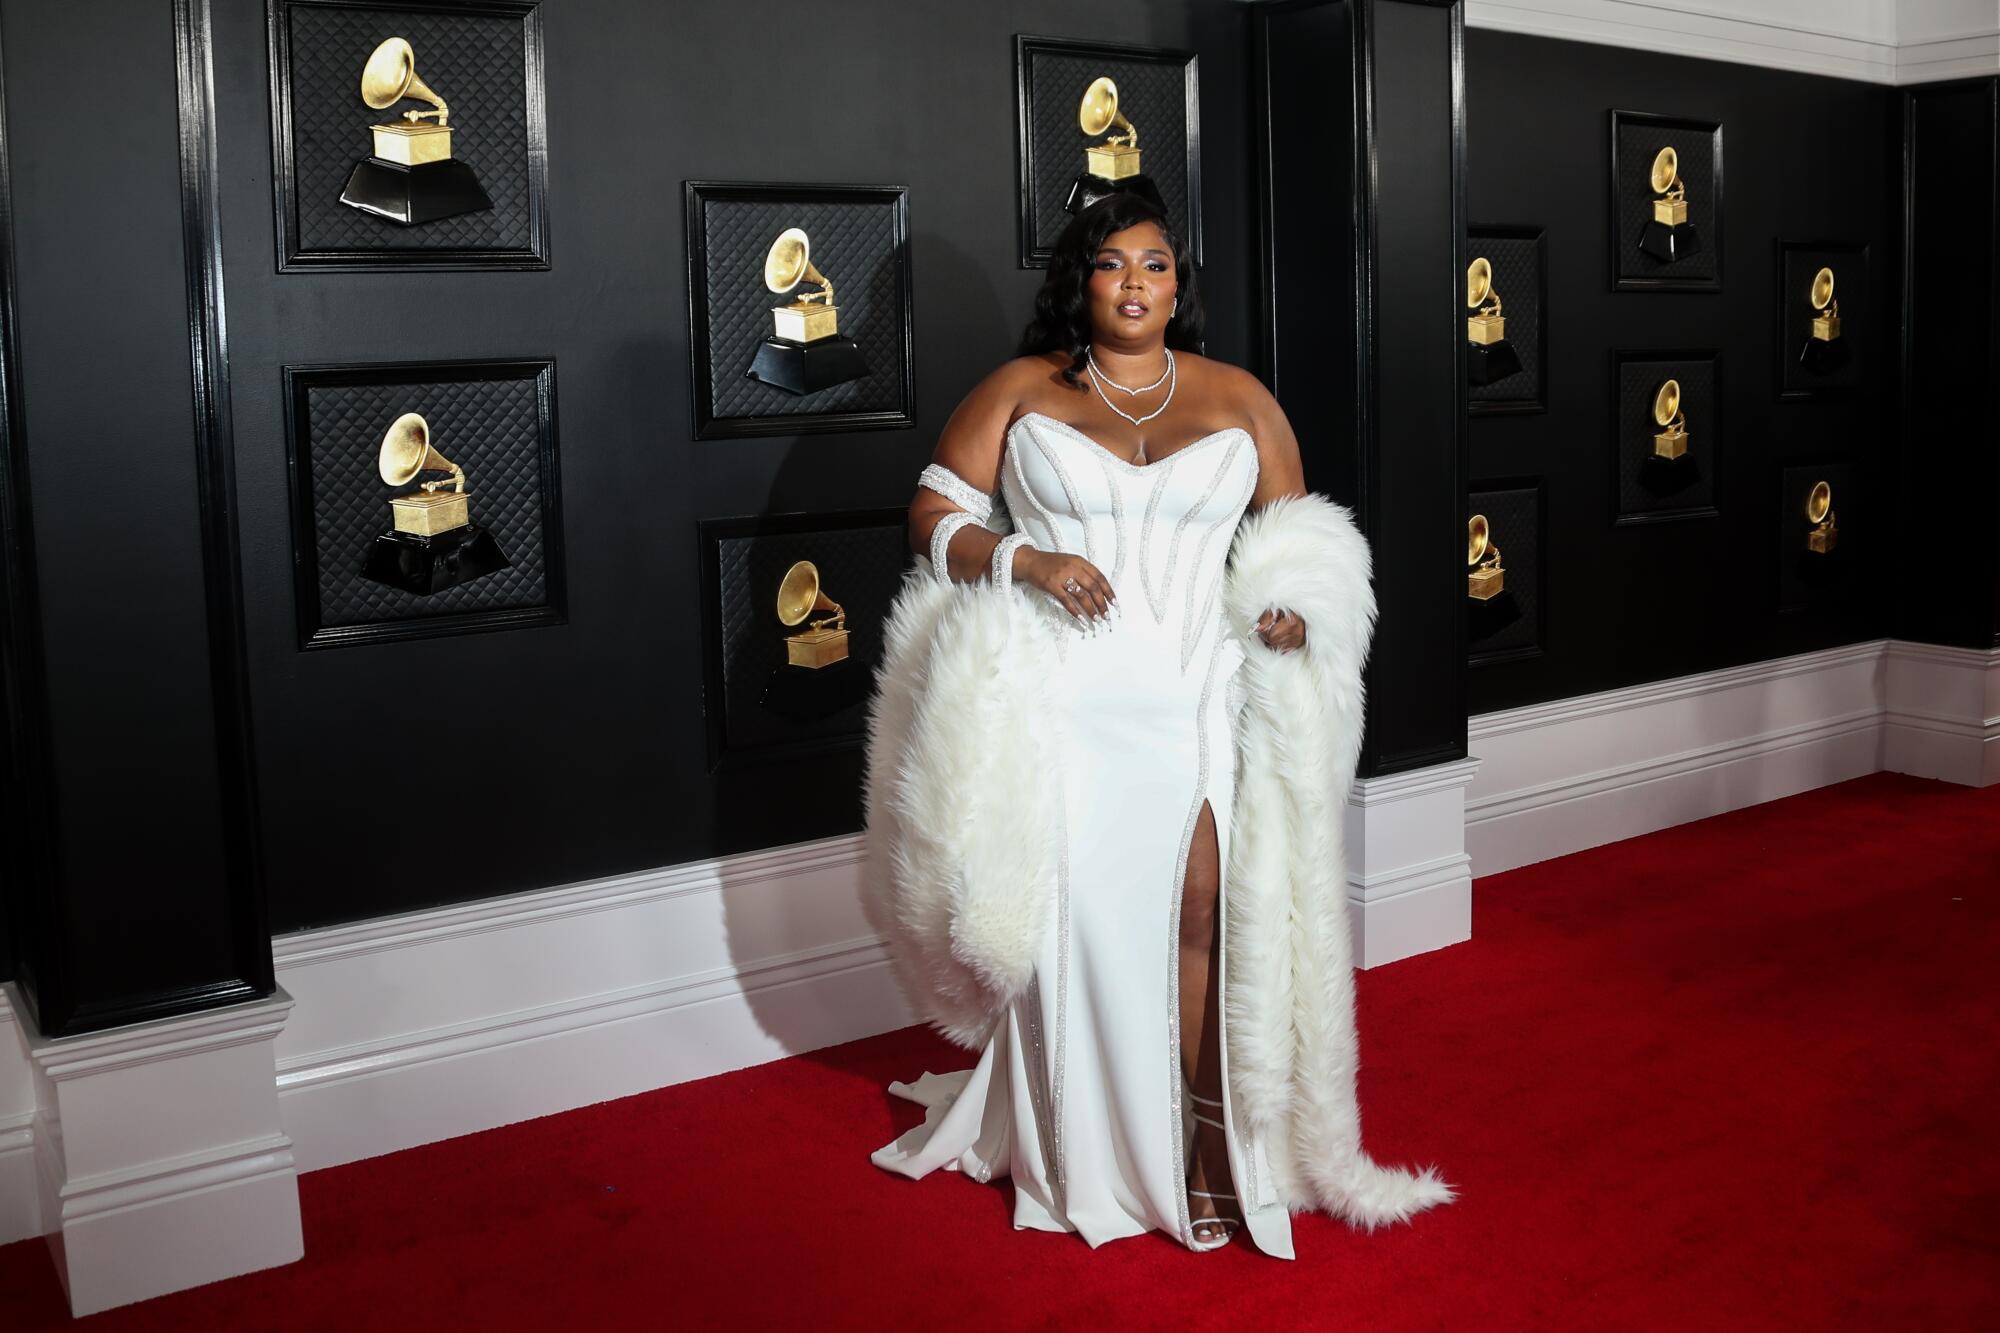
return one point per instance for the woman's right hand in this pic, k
(1051, 571)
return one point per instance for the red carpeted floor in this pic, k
(1738, 1074)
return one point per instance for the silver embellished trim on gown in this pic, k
(1078, 1094)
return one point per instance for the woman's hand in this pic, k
(1284, 631)
(1051, 571)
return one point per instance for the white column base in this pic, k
(1942, 714)
(160, 1160)
(1409, 878)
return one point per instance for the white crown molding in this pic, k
(1876, 41)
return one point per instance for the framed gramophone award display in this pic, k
(1822, 526)
(1506, 320)
(1667, 428)
(408, 135)
(1666, 203)
(1503, 571)
(1824, 319)
(799, 308)
(425, 499)
(792, 612)
(1092, 118)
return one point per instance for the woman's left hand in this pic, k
(1284, 631)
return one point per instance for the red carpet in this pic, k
(1737, 1074)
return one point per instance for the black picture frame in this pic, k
(1043, 186)
(1518, 629)
(1534, 373)
(299, 253)
(892, 372)
(299, 383)
(1637, 470)
(1791, 320)
(1633, 271)
(724, 579)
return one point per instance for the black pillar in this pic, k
(142, 897)
(1361, 129)
(1948, 575)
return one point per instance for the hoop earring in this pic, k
(1177, 308)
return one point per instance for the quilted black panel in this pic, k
(1694, 145)
(1509, 622)
(476, 63)
(856, 246)
(1808, 578)
(1795, 316)
(1151, 94)
(1648, 485)
(491, 428)
(1517, 277)
(767, 701)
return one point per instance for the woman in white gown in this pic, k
(1124, 462)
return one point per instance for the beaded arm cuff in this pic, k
(1003, 558)
(941, 535)
(958, 490)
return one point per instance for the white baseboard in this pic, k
(1911, 41)
(1409, 877)
(434, 1024)
(159, 1160)
(1941, 716)
(20, 1196)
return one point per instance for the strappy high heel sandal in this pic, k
(1228, 1224)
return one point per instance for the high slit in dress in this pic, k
(1078, 1094)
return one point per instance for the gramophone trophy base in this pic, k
(816, 648)
(1821, 357)
(1669, 244)
(1670, 444)
(1087, 189)
(426, 565)
(1112, 161)
(411, 143)
(1821, 540)
(1485, 583)
(413, 195)
(1487, 363)
(814, 696)
(807, 367)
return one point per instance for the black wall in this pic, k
(1806, 158)
(578, 750)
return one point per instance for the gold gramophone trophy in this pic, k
(806, 351)
(412, 176)
(1819, 513)
(1669, 236)
(1671, 440)
(823, 641)
(1488, 354)
(1484, 578)
(435, 544)
(1825, 351)
(1112, 165)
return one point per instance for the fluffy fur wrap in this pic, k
(962, 896)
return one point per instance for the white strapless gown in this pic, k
(1078, 1093)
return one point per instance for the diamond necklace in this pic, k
(1092, 356)
(1173, 382)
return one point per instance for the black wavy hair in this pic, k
(1062, 315)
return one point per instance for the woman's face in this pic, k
(1131, 288)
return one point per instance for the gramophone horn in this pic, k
(1819, 502)
(1666, 169)
(406, 451)
(798, 594)
(1478, 281)
(1666, 402)
(789, 262)
(1098, 111)
(391, 75)
(1477, 535)
(1822, 288)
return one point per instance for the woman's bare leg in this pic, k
(1201, 1048)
